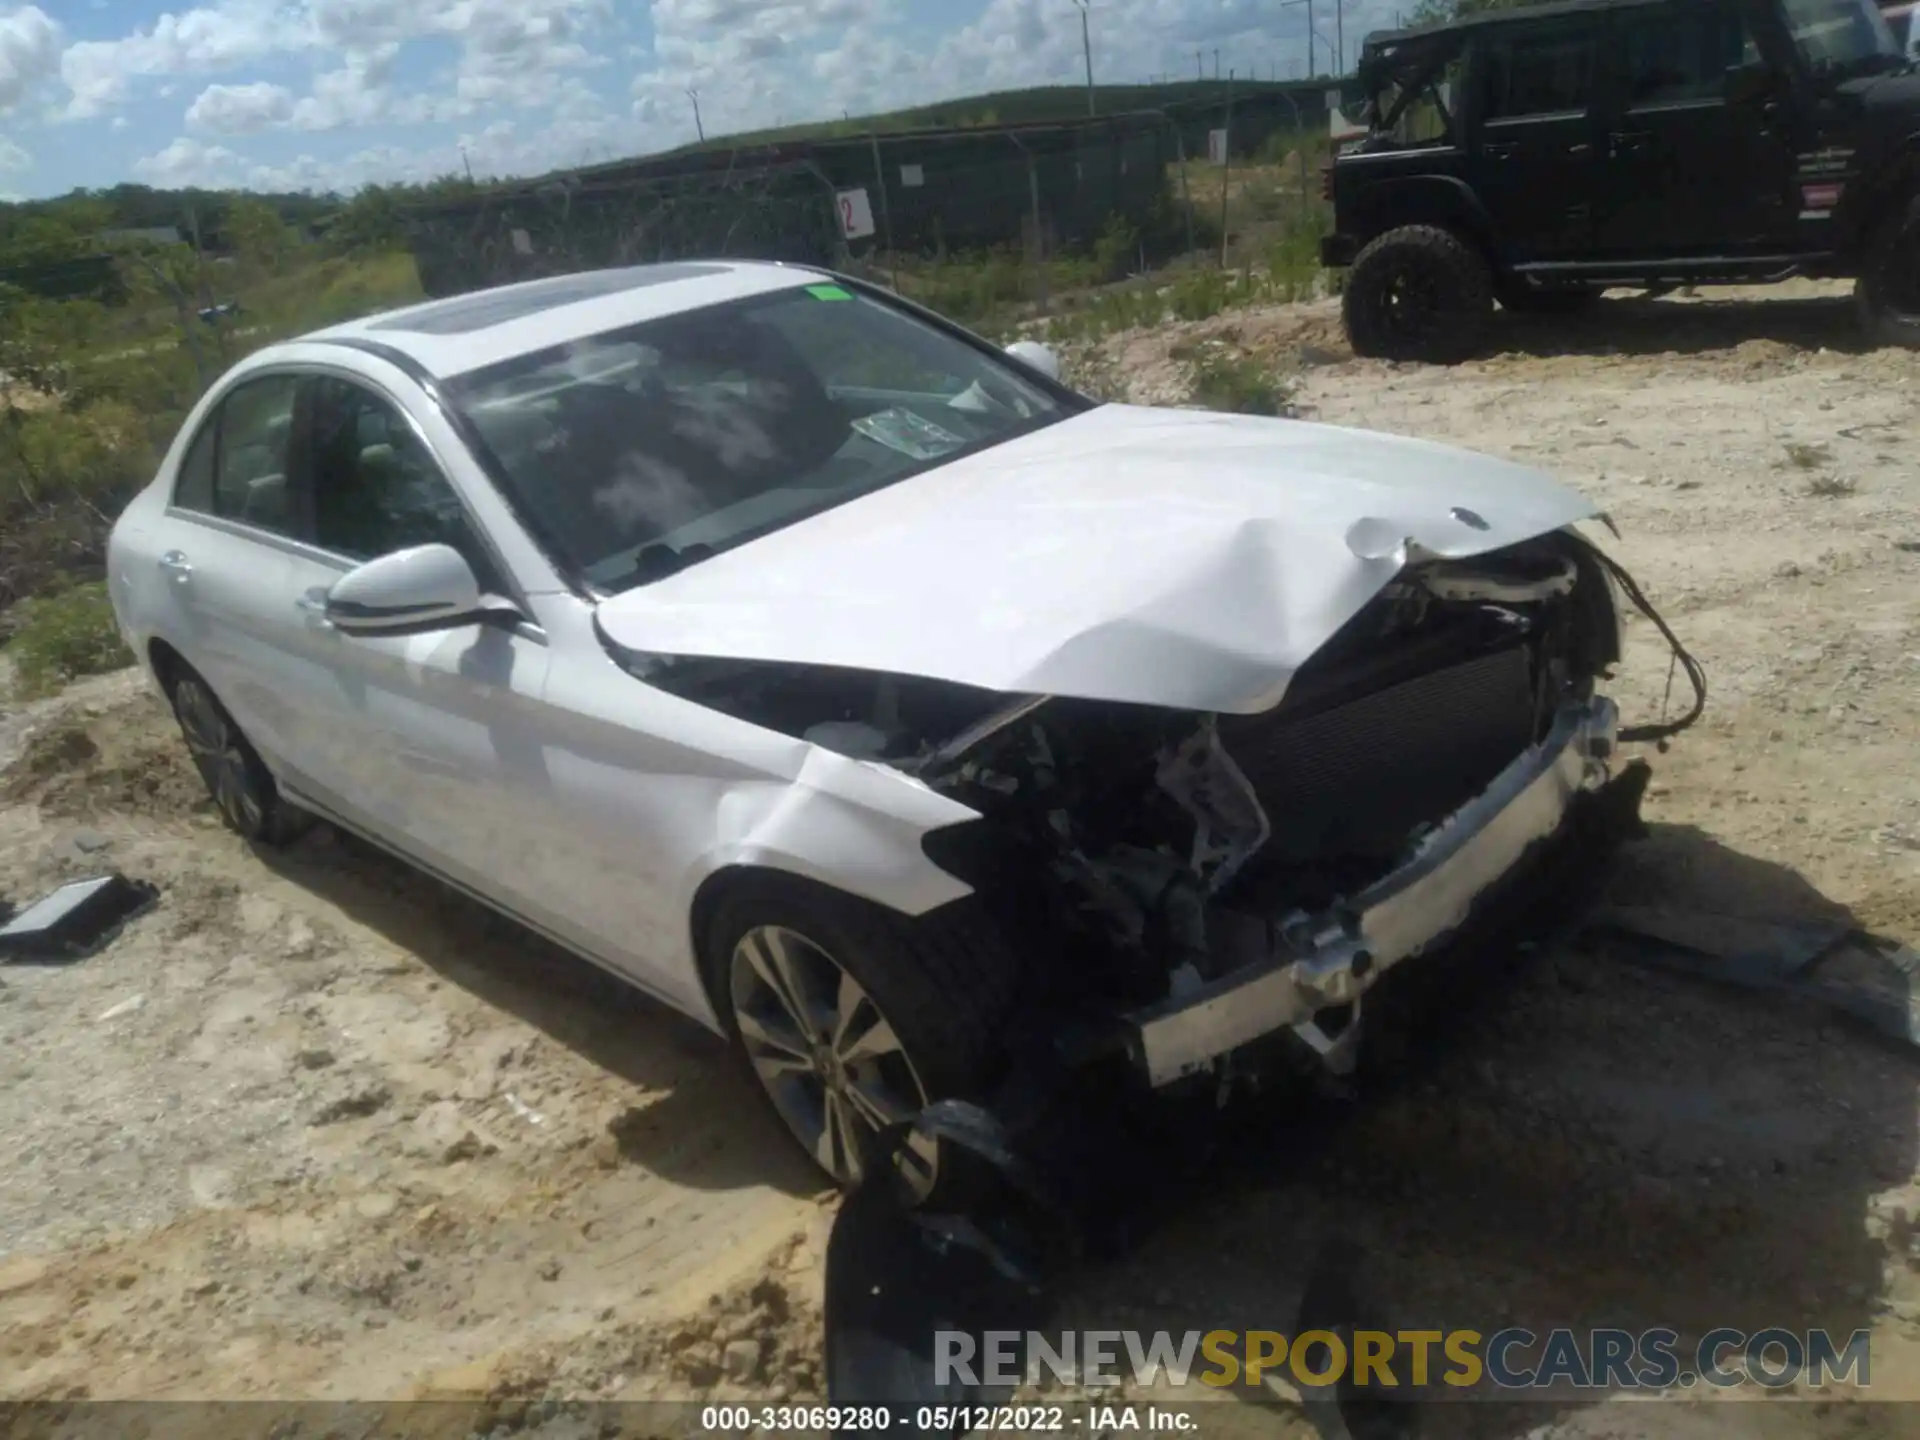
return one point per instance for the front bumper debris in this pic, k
(1292, 968)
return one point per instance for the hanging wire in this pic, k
(1696, 673)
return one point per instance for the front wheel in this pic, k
(238, 780)
(1418, 293)
(1887, 295)
(852, 1018)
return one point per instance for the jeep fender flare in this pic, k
(1442, 200)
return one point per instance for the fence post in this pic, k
(1038, 250)
(1226, 170)
(886, 211)
(1186, 198)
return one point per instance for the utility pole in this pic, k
(1340, 34)
(1199, 67)
(1086, 44)
(694, 96)
(1216, 64)
(467, 160)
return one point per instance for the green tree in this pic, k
(260, 237)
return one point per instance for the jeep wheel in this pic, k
(1516, 296)
(1418, 293)
(1887, 294)
(851, 1018)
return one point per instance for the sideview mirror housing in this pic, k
(1035, 356)
(418, 588)
(1747, 84)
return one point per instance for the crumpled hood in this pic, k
(1165, 557)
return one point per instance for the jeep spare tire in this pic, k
(1418, 293)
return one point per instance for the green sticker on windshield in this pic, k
(828, 292)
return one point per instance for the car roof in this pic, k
(470, 332)
(1511, 15)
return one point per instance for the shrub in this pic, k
(1238, 384)
(1198, 295)
(62, 636)
(1118, 248)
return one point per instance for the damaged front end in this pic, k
(1219, 879)
(1188, 885)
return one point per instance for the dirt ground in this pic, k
(315, 1127)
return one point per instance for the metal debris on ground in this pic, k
(1869, 977)
(74, 921)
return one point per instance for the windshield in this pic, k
(1841, 36)
(638, 452)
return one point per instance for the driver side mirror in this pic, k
(418, 588)
(1036, 356)
(1747, 84)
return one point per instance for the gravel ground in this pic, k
(316, 1127)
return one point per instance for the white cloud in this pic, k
(100, 72)
(189, 162)
(240, 109)
(510, 51)
(12, 157)
(29, 42)
(529, 80)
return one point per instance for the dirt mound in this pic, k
(127, 760)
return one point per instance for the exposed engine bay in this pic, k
(1112, 836)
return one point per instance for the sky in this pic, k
(329, 95)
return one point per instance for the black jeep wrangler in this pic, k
(1539, 155)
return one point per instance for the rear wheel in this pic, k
(238, 780)
(1418, 293)
(1887, 294)
(852, 1018)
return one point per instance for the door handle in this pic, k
(177, 566)
(313, 605)
(1504, 150)
(1581, 148)
(1627, 142)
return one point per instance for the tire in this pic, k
(1886, 297)
(944, 985)
(1418, 293)
(1570, 300)
(237, 779)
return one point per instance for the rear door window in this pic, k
(236, 467)
(1546, 72)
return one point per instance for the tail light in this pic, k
(1326, 179)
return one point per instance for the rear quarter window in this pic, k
(193, 485)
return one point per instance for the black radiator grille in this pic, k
(1353, 779)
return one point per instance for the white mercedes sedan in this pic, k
(864, 692)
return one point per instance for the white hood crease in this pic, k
(1159, 557)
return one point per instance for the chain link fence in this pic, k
(1041, 188)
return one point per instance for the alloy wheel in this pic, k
(215, 745)
(828, 1058)
(1411, 303)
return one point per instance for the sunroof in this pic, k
(466, 313)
